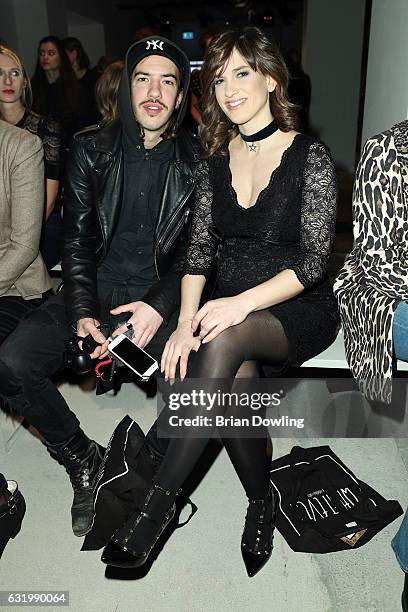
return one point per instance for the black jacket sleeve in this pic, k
(81, 225)
(164, 296)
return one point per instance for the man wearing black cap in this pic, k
(128, 195)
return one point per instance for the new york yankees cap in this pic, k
(158, 45)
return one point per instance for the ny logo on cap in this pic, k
(155, 44)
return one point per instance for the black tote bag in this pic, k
(125, 476)
(122, 483)
(322, 506)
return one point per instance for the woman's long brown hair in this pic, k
(263, 56)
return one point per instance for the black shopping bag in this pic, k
(126, 473)
(124, 476)
(322, 506)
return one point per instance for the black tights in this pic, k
(261, 338)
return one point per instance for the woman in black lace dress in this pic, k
(266, 201)
(15, 108)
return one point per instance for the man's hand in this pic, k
(217, 315)
(145, 321)
(88, 326)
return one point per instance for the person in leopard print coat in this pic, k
(372, 287)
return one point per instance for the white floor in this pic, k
(200, 569)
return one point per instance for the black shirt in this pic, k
(88, 84)
(52, 138)
(130, 260)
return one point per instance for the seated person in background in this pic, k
(24, 281)
(195, 87)
(372, 287)
(15, 108)
(86, 76)
(107, 92)
(56, 90)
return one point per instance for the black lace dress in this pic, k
(290, 226)
(52, 136)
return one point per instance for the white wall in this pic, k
(90, 33)
(386, 101)
(23, 23)
(8, 32)
(32, 25)
(332, 50)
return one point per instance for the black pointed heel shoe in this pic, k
(257, 539)
(132, 544)
(11, 514)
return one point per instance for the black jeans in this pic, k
(34, 352)
(12, 310)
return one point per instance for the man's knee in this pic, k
(14, 360)
(35, 347)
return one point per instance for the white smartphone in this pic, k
(133, 356)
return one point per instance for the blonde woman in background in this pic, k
(107, 90)
(15, 109)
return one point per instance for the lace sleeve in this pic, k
(202, 246)
(53, 142)
(318, 215)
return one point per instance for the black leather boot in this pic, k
(11, 514)
(257, 539)
(81, 458)
(132, 544)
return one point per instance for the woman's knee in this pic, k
(219, 358)
(227, 342)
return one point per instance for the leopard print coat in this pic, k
(374, 278)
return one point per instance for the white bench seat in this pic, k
(334, 357)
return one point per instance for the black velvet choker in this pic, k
(264, 133)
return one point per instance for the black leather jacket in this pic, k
(92, 202)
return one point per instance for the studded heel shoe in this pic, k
(257, 538)
(11, 514)
(132, 544)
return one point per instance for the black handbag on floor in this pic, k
(323, 507)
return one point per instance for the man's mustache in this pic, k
(153, 101)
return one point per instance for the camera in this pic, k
(80, 359)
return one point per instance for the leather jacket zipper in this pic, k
(170, 240)
(172, 237)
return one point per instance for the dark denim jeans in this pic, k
(400, 337)
(400, 331)
(400, 544)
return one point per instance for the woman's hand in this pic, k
(217, 315)
(178, 346)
